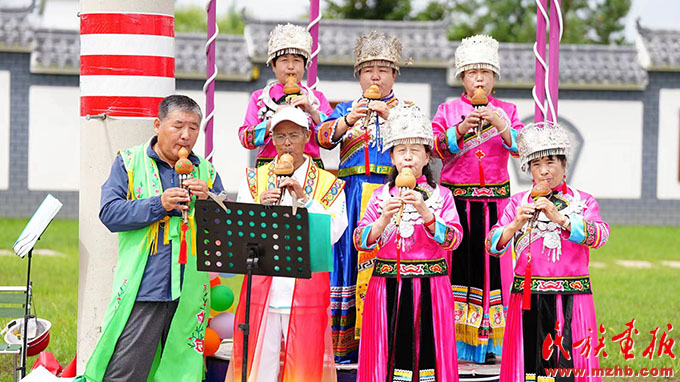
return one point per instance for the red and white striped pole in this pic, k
(127, 50)
(210, 75)
(127, 63)
(545, 91)
(313, 29)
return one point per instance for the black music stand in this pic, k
(24, 245)
(252, 239)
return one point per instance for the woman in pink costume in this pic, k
(289, 54)
(474, 137)
(551, 237)
(408, 333)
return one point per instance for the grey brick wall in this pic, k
(18, 201)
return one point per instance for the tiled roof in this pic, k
(423, 41)
(230, 51)
(56, 51)
(659, 49)
(581, 67)
(16, 32)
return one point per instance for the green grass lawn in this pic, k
(55, 285)
(651, 296)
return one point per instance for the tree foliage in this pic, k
(585, 21)
(194, 19)
(368, 9)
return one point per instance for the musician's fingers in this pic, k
(360, 111)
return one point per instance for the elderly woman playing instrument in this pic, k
(475, 137)
(551, 235)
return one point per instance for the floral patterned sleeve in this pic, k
(445, 144)
(589, 229)
(326, 130)
(496, 231)
(515, 126)
(251, 134)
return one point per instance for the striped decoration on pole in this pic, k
(313, 29)
(545, 91)
(127, 63)
(210, 75)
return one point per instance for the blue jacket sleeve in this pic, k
(217, 186)
(119, 214)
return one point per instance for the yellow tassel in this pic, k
(166, 231)
(131, 191)
(192, 227)
(497, 335)
(152, 236)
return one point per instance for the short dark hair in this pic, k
(304, 60)
(178, 102)
(427, 171)
(559, 157)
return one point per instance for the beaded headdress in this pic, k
(289, 39)
(407, 124)
(376, 48)
(478, 52)
(541, 139)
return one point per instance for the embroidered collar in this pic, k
(388, 97)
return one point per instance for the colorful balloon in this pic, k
(227, 275)
(223, 324)
(221, 298)
(215, 281)
(211, 342)
(213, 275)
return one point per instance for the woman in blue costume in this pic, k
(355, 125)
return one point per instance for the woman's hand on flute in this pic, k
(381, 108)
(389, 208)
(415, 199)
(549, 210)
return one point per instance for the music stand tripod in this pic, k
(252, 239)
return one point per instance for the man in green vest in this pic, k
(155, 323)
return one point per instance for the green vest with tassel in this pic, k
(182, 357)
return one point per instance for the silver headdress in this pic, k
(407, 124)
(541, 139)
(478, 52)
(375, 46)
(289, 39)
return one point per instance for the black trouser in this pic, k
(539, 322)
(147, 326)
(401, 334)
